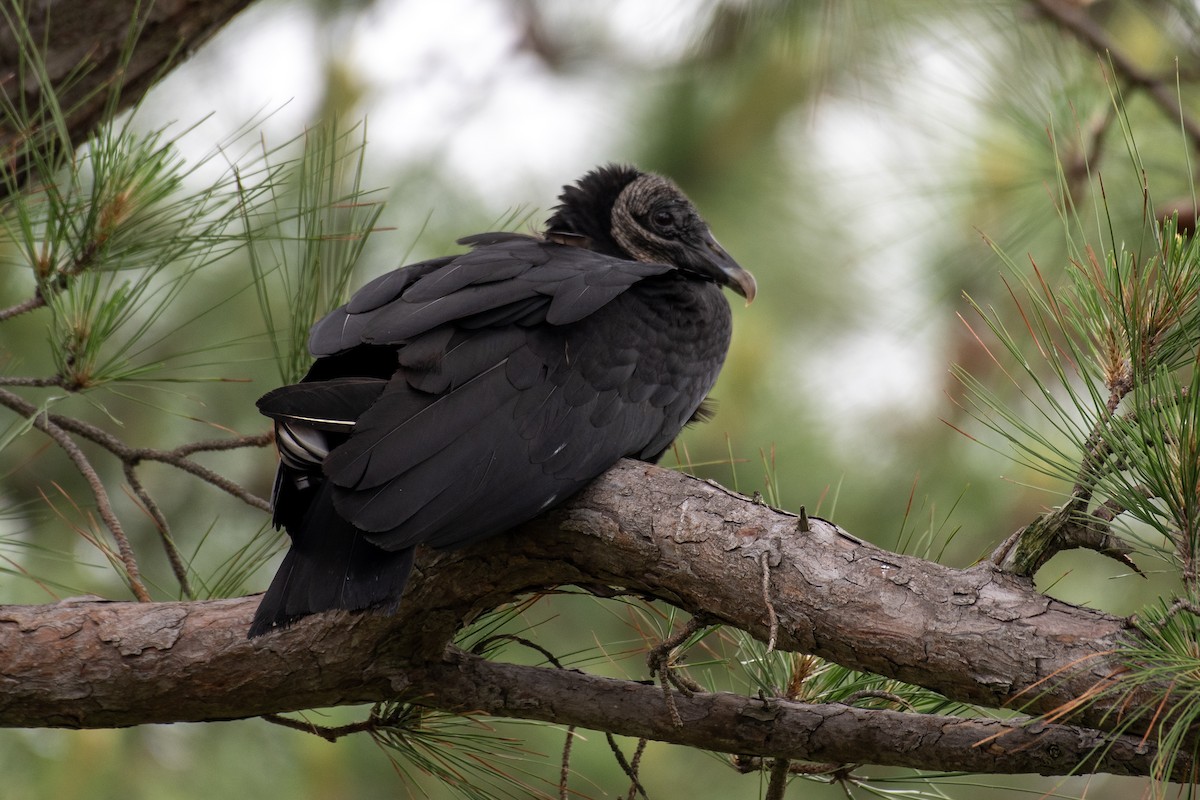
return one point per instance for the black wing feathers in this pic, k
(329, 565)
(483, 388)
(481, 282)
(326, 405)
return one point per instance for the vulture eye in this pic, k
(663, 220)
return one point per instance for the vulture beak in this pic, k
(720, 266)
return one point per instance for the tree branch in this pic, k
(44, 423)
(1075, 19)
(85, 56)
(776, 728)
(974, 635)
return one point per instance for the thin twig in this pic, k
(216, 479)
(59, 428)
(217, 445)
(1076, 20)
(35, 302)
(58, 281)
(164, 530)
(634, 764)
(177, 457)
(564, 773)
(772, 617)
(42, 422)
(625, 766)
(661, 663)
(17, 380)
(551, 659)
(1178, 607)
(328, 733)
(669, 701)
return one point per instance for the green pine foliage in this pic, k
(149, 290)
(1106, 371)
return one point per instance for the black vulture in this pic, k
(455, 398)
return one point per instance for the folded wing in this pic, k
(457, 397)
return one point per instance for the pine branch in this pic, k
(780, 729)
(60, 429)
(84, 45)
(974, 635)
(1074, 18)
(43, 422)
(179, 457)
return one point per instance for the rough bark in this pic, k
(974, 635)
(827, 733)
(84, 45)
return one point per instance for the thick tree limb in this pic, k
(826, 732)
(83, 44)
(975, 635)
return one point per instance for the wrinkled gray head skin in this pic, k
(621, 211)
(653, 221)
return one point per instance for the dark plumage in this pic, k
(457, 397)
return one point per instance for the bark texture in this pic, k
(974, 635)
(85, 46)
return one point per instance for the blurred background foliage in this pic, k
(852, 154)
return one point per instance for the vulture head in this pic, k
(623, 212)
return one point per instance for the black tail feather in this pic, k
(330, 565)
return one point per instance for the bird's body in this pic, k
(455, 398)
